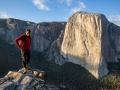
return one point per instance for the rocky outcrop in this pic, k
(91, 41)
(32, 80)
(43, 34)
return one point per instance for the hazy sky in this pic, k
(57, 10)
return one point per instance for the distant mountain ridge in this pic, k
(43, 34)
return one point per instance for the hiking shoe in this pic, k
(28, 68)
(25, 71)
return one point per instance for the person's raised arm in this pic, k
(16, 41)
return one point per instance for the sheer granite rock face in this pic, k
(90, 41)
(29, 81)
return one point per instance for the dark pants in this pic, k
(25, 57)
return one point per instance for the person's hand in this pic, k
(20, 48)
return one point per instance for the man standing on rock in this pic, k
(23, 42)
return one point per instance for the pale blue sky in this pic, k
(57, 10)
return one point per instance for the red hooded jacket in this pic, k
(23, 42)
